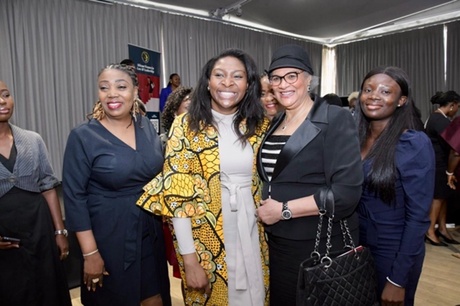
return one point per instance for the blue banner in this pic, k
(147, 63)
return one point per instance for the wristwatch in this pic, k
(62, 232)
(286, 213)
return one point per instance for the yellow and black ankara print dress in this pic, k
(189, 187)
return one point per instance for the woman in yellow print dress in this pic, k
(209, 186)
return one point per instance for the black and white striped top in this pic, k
(270, 151)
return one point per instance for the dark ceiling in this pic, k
(327, 21)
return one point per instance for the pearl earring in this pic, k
(399, 105)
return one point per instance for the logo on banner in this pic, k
(145, 57)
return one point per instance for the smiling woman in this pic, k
(107, 161)
(398, 165)
(209, 176)
(30, 214)
(310, 148)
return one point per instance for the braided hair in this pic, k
(98, 112)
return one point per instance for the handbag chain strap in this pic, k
(346, 236)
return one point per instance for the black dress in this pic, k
(436, 124)
(33, 274)
(102, 180)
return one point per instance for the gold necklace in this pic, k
(286, 123)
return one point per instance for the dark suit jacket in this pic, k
(323, 153)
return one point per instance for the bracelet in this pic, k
(449, 173)
(399, 286)
(91, 253)
(62, 232)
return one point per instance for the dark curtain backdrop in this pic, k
(453, 56)
(418, 52)
(51, 52)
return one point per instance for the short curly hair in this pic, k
(172, 105)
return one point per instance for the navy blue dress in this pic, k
(102, 180)
(395, 232)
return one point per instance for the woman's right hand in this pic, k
(94, 271)
(452, 181)
(6, 245)
(195, 276)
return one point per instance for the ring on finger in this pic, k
(95, 280)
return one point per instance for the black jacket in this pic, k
(323, 153)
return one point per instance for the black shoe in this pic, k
(440, 243)
(448, 240)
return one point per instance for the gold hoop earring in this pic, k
(135, 109)
(98, 111)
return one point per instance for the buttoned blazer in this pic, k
(323, 153)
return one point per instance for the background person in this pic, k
(178, 103)
(267, 98)
(128, 62)
(398, 163)
(174, 82)
(210, 187)
(310, 148)
(352, 98)
(436, 123)
(106, 162)
(451, 135)
(31, 272)
(333, 99)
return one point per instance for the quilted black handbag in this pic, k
(342, 278)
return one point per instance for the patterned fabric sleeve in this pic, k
(182, 189)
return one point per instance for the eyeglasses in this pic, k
(290, 78)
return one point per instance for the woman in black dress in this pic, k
(437, 122)
(31, 272)
(107, 161)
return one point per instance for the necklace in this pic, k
(286, 123)
(440, 110)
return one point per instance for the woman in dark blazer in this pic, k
(399, 170)
(309, 149)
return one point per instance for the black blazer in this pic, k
(322, 153)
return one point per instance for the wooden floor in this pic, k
(439, 284)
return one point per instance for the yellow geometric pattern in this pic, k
(189, 187)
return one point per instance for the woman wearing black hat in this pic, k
(309, 149)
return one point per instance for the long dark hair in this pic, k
(200, 115)
(383, 173)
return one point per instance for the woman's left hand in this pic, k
(269, 211)
(63, 246)
(393, 295)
